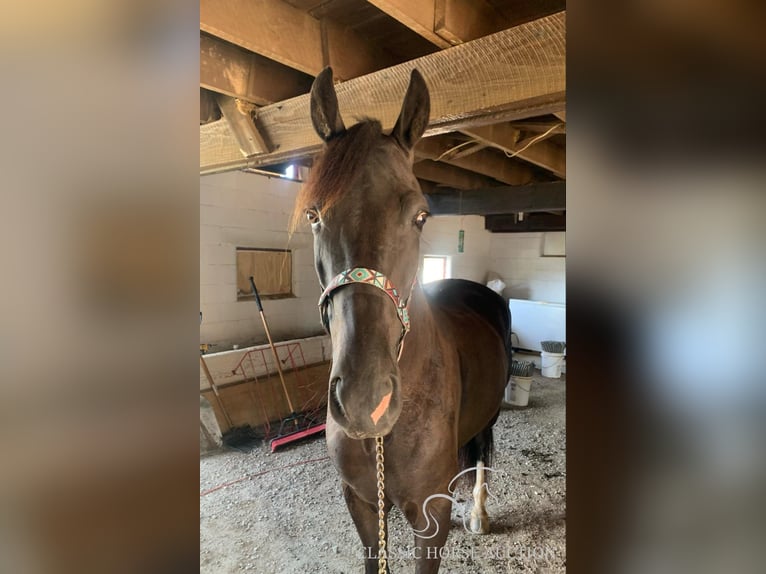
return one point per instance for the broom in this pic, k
(522, 368)
(553, 346)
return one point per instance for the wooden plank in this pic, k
(506, 138)
(233, 71)
(272, 270)
(417, 15)
(516, 74)
(562, 115)
(352, 56)
(500, 200)
(292, 37)
(486, 162)
(268, 27)
(451, 176)
(305, 5)
(458, 21)
(255, 402)
(428, 187)
(540, 126)
(531, 222)
(223, 68)
(522, 11)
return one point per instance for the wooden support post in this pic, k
(239, 116)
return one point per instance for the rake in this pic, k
(296, 426)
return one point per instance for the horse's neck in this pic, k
(424, 331)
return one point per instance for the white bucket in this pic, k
(551, 364)
(517, 391)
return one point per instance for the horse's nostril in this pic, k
(335, 394)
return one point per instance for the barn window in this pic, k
(435, 267)
(271, 269)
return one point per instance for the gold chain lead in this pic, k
(381, 478)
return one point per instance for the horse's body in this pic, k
(440, 399)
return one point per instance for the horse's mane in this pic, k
(334, 170)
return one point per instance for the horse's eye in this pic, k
(420, 219)
(312, 215)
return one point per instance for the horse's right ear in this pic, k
(324, 107)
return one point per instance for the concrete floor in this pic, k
(284, 512)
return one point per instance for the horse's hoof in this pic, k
(480, 524)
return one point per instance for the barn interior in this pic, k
(492, 164)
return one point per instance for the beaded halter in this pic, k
(367, 276)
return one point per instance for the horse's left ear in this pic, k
(416, 109)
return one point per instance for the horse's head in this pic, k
(366, 210)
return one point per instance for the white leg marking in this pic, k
(479, 516)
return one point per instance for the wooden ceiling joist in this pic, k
(292, 37)
(233, 71)
(553, 127)
(458, 21)
(506, 138)
(512, 75)
(451, 176)
(486, 162)
(417, 15)
(500, 200)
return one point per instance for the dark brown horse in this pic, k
(434, 403)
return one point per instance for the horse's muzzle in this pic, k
(364, 410)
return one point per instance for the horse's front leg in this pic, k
(433, 532)
(365, 517)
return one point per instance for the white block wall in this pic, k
(517, 259)
(440, 237)
(247, 210)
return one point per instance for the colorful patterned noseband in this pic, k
(376, 279)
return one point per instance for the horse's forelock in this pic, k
(334, 170)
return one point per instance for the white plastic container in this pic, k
(551, 364)
(517, 391)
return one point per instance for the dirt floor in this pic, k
(284, 512)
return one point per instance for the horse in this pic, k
(426, 374)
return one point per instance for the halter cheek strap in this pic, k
(376, 279)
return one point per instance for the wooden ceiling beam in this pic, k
(267, 27)
(554, 127)
(506, 138)
(417, 15)
(530, 223)
(485, 162)
(458, 21)
(292, 37)
(233, 71)
(531, 198)
(515, 74)
(451, 176)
